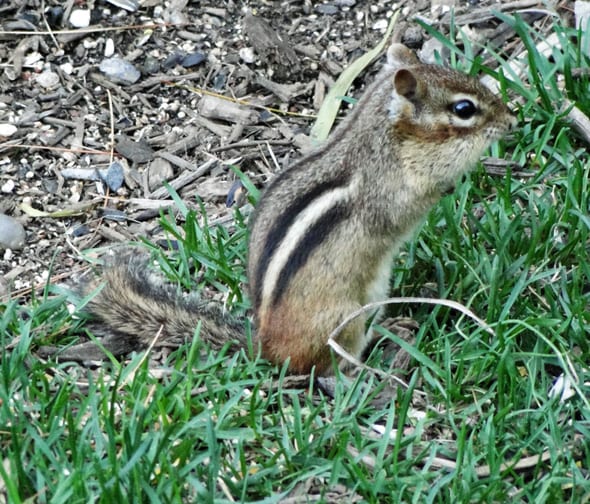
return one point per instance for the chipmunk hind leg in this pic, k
(286, 333)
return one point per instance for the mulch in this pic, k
(216, 84)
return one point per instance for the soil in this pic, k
(96, 150)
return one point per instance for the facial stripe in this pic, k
(277, 233)
(298, 236)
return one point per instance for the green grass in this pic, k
(232, 428)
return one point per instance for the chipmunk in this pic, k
(324, 234)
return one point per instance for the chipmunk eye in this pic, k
(464, 109)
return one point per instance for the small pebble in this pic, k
(219, 81)
(124, 122)
(32, 59)
(429, 50)
(151, 65)
(327, 9)
(138, 152)
(80, 18)
(7, 187)
(7, 129)
(109, 48)
(114, 176)
(48, 79)
(67, 68)
(381, 24)
(236, 195)
(81, 230)
(159, 170)
(119, 70)
(247, 55)
(89, 44)
(175, 17)
(12, 233)
(266, 115)
(54, 16)
(172, 60)
(193, 59)
(413, 37)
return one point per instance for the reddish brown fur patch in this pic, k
(286, 332)
(281, 337)
(440, 134)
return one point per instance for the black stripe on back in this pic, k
(312, 239)
(283, 223)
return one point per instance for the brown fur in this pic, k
(133, 307)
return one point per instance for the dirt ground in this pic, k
(85, 153)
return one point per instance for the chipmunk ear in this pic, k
(405, 84)
(399, 55)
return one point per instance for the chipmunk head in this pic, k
(442, 110)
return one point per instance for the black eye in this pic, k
(464, 109)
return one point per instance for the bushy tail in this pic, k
(134, 306)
